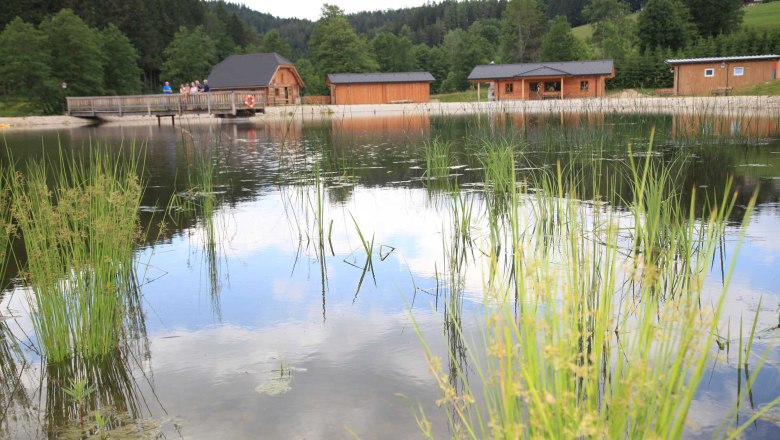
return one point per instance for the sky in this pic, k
(311, 8)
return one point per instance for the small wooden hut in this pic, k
(553, 80)
(268, 72)
(379, 88)
(699, 76)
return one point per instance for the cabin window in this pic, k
(552, 86)
(276, 92)
(739, 71)
(708, 73)
(510, 87)
(584, 86)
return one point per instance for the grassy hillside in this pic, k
(764, 16)
(769, 88)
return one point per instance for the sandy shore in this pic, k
(767, 106)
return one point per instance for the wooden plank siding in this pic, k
(379, 93)
(689, 79)
(571, 87)
(284, 88)
(215, 103)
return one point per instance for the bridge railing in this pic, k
(210, 102)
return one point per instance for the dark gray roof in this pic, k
(722, 59)
(251, 70)
(558, 68)
(396, 77)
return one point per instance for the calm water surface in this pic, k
(272, 334)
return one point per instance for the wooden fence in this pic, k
(215, 103)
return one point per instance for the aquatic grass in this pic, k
(99, 394)
(368, 247)
(7, 225)
(438, 160)
(607, 342)
(79, 235)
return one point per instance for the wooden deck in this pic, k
(233, 103)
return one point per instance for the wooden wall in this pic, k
(285, 78)
(379, 93)
(689, 79)
(572, 88)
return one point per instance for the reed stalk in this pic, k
(606, 335)
(79, 223)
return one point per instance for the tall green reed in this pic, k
(604, 342)
(79, 224)
(7, 226)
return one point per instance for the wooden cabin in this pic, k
(553, 80)
(379, 88)
(269, 72)
(704, 76)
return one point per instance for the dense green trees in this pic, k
(76, 53)
(120, 69)
(189, 57)
(713, 17)
(523, 25)
(336, 48)
(613, 33)
(393, 54)
(130, 46)
(664, 24)
(273, 42)
(559, 44)
(26, 68)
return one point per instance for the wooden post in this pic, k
(233, 102)
(522, 87)
(561, 87)
(119, 101)
(208, 102)
(478, 92)
(148, 107)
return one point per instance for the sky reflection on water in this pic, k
(214, 340)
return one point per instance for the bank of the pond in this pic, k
(766, 106)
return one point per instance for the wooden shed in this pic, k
(268, 72)
(700, 76)
(379, 88)
(553, 80)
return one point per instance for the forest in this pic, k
(58, 48)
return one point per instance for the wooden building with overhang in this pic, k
(267, 72)
(553, 80)
(379, 88)
(704, 76)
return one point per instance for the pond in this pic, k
(297, 305)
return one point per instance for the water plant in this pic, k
(605, 335)
(79, 223)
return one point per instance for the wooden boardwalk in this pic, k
(222, 104)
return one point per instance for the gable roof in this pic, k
(395, 77)
(250, 70)
(527, 70)
(722, 59)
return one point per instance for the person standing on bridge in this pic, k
(167, 88)
(206, 87)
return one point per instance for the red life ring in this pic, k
(249, 101)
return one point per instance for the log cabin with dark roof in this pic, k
(267, 72)
(379, 88)
(553, 80)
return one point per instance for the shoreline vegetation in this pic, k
(765, 106)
